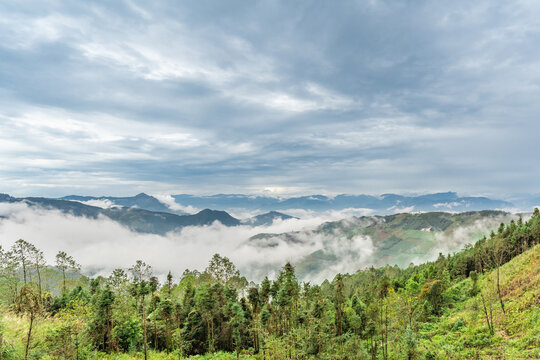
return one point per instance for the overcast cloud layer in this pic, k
(289, 97)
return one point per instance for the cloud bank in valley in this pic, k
(101, 245)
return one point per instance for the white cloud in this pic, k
(448, 205)
(449, 242)
(102, 203)
(102, 244)
(169, 201)
(396, 209)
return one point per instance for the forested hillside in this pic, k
(482, 302)
(396, 239)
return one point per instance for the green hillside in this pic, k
(482, 302)
(397, 239)
(461, 332)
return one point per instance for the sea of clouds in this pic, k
(101, 245)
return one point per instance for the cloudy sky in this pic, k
(282, 97)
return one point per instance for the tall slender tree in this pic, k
(141, 272)
(38, 260)
(29, 303)
(21, 251)
(65, 263)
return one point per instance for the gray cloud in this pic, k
(378, 96)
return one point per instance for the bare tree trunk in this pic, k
(382, 332)
(499, 291)
(64, 280)
(490, 326)
(144, 330)
(155, 325)
(179, 338)
(168, 335)
(28, 338)
(386, 331)
(39, 282)
(24, 271)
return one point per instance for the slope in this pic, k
(461, 332)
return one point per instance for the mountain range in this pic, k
(366, 240)
(384, 204)
(147, 214)
(141, 201)
(377, 205)
(136, 213)
(380, 205)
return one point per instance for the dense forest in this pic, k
(481, 302)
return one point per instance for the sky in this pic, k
(274, 97)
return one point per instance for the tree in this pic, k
(37, 258)
(178, 311)
(254, 300)
(118, 278)
(499, 256)
(141, 272)
(474, 278)
(155, 299)
(29, 302)
(222, 269)
(65, 262)
(169, 284)
(236, 322)
(166, 311)
(2, 329)
(206, 302)
(488, 312)
(410, 342)
(104, 316)
(9, 273)
(21, 251)
(339, 300)
(433, 291)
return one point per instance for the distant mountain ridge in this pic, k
(376, 205)
(381, 205)
(141, 201)
(134, 218)
(135, 212)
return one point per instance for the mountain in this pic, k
(381, 205)
(136, 219)
(267, 219)
(141, 201)
(379, 240)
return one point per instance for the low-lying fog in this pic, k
(101, 245)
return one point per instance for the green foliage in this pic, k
(127, 332)
(480, 302)
(409, 338)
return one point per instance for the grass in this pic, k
(462, 333)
